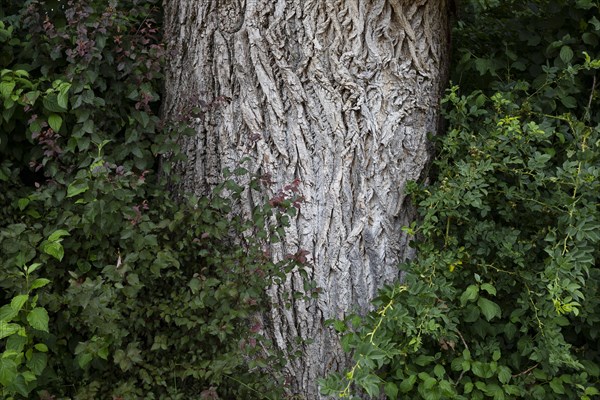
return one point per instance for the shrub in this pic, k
(112, 288)
(502, 298)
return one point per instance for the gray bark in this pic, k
(339, 94)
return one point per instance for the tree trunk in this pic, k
(338, 94)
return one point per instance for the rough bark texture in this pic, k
(339, 94)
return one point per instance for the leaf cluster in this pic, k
(111, 287)
(502, 298)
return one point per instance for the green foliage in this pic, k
(22, 327)
(502, 299)
(141, 295)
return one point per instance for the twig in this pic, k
(463, 340)
(589, 105)
(526, 371)
(467, 347)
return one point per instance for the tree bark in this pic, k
(339, 94)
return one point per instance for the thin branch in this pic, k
(528, 370)
(467, 347)
(589, 105)
(463, 340)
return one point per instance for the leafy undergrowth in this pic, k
(502, 299)
(111, 288)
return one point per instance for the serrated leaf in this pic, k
(16, 343)
(8, 371)
(38, 319)
(28, 376)
(18, 302)
(37, 363)
(55, 122)
(19, 386)
(6, 88)
(370, 384)
(7, 329)
(7, 313)
(439, 371)
(489, 308)
(504, 375)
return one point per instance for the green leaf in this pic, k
(31, 97)
(57, 234)
(7, 313)
(63, 98)
(370, 383)
(76, 188)
(16, 343)
(55, 122)
(54, 249)
(391, 390)
(37, 363)
(51, 104)
(423, 360)
(33, 267)
(469, 294)
(6, 88)
(591, 391)
(489, 308)
(7, 329)
(21, 73)
(557, 386)
(18, 302)
(429, 382)
(407, 384)
(488, 288)
(41, 347)
(8, 371)
(84, 359)
(439, 371)
(22, 203)
(568, 101)
(20, 386)
(468, 388)
(194, 285)
(38, 319)
(38, 283)
(566, 54)
(504, 374)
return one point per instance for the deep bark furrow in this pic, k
(336, 93)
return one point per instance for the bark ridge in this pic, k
(339, 94)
